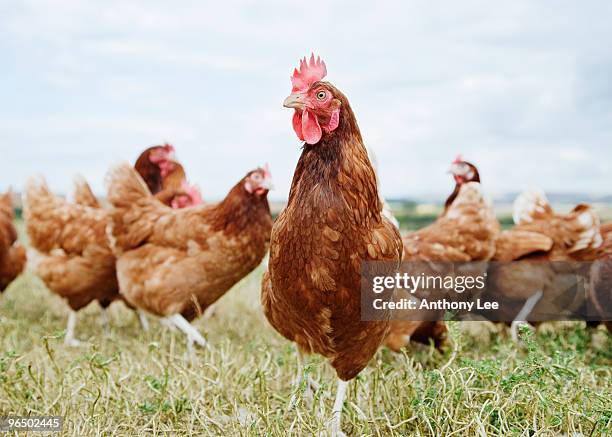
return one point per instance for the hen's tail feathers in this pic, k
(43, 213)
(125, 186)
(135, 209)
(586, 225)
(6, 198)
(83, 195)
(531, 205)
(514, 244)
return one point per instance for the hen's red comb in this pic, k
(458, 159)
(169, 147)
(309, 73)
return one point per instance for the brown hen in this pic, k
(12, 254)
(75, 260)
(332, 223)
(175, 263)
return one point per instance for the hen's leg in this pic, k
(142, 318)
(312, 386)
(105, 321)
(69, 339)
(193, 335)
(335, 429)
(521, 317)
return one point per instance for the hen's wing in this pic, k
(516, 243)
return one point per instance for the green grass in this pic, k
(129, 382)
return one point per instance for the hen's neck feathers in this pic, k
(149, 172)
(240, 210)
(337, 164)
(455, 193)
(175, 178)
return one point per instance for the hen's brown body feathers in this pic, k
(12, 254)
(311, 293)
(76, 261)
(181, 261)
(466, 232)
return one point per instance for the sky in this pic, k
(522, 89)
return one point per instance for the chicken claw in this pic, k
(144, 322)
(334, 428)
(69, 339)
(193, 335)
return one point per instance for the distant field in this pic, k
(129, 382)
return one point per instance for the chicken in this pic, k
(542, 235)
(465, 232)
(463, 172)
(153, 164)
(332, 222)
(12, 254)
(166, 178)
(176, 263)
(75, 260)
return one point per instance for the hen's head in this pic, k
(154, 164)
(316, 103)
(463, 171)
(259, 181)
(164, 157)
(189, 197)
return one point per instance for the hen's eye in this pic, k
(256, 177)
(321, 95)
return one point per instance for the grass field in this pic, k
(128, 382)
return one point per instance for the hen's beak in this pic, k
(295, 101)
(267, 184)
